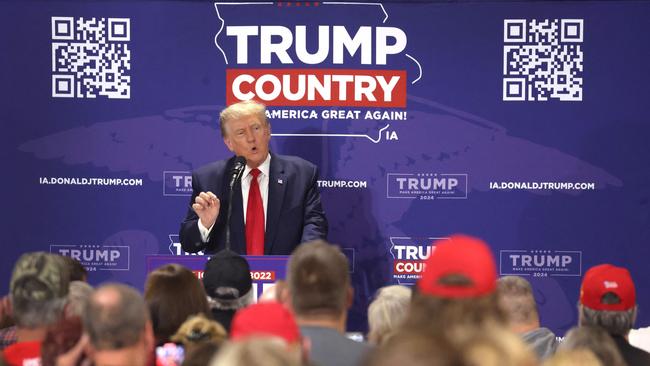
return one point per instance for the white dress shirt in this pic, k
(262, 180)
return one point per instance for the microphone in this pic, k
(236, 173)
(237, 170)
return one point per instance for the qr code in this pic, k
(91, 57)
(542, 59)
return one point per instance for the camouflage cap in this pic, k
(39, 276)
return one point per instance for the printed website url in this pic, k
(90, 181)
(342, 184)
(580, 186)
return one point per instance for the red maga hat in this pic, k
(461, 255)
(265, 319)
(604, 278)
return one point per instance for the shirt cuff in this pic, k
(205, 233)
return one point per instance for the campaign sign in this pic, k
(426, 186)
(97, 257)
(540, 263)
(177, 183)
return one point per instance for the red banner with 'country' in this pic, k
(318, 87)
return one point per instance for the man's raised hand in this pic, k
(206, 205)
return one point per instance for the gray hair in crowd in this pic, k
(78, 294)
(115, 317)
(614, 322)
(595, 339)
(37, 314)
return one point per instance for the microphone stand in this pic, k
(229, 212)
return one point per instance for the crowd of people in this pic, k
(458, 314)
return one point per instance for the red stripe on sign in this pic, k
(408, 267)
(318, 87)
(263, 275)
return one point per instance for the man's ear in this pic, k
(350, 297)
(228, 143)
(149, 339)
(284, 296)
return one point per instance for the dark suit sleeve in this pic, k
(314, 223)
(205, 179)
(189, 234)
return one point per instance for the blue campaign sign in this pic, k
(522, 123)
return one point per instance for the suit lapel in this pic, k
(277, 186)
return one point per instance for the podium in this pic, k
(265, 269)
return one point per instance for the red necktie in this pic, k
(254, 218)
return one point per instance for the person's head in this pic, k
(492, 346)
(595, 339)
(77, 270)
(256, 351)
(38, 289)
(173, 293)
(198, 330)
(319, 281)
(246, 131)
(117, 322)
(414, 348)
(608, 299)
(227, 281)
(387, 312)
(518, 303)
(78, 295)
(458, 286)
(576, 357)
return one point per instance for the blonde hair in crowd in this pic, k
(255, 351)
(576, 357)
(492, 346)
(387, 312)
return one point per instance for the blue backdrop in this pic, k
(522, 123)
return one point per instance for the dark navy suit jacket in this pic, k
(294, 211)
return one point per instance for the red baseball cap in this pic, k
(604, 278)
(265, 319)
(459, 255)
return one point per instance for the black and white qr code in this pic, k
(542, 59)
(91, 57)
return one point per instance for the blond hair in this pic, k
(242, 109)
(254, 351)
(492, 346)
(387, 312)
(576, 357)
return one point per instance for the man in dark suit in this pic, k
(275, 206)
